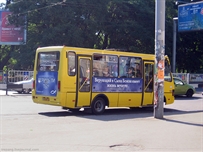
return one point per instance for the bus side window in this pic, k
(105, 65)
(95, 71)
(71, 70)
(123, 67)
(138, 71)
(114, 70)
(71, 63)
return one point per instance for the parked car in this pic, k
(182, 88)
(27, 86)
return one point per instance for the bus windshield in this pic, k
(48, 61)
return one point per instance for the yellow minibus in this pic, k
(76, 78)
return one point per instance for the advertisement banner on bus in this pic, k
(47, 83)
(116, 84)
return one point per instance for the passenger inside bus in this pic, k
(138, 74)
(122, 68)
(106, 72)
(95, 71)
(130, 73)
(114, 70)
(138, 71)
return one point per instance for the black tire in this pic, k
(20, 92)
(134, 108)
(74, 110)
(189, 93)
(64, 108)
(98, 106)
(30, 90)
(26, 91)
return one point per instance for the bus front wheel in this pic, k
(98, 106)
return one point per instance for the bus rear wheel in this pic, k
(98, 106)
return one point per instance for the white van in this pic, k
(27, 86)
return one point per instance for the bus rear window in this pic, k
(48, 61)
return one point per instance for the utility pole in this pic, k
(159, 59)
(175, 19)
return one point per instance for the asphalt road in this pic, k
(26, 126)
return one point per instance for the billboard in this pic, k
(10, 34)
(190, 17)
(196, 78)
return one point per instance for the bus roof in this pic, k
(90, 51)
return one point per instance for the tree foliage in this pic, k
(102, 24)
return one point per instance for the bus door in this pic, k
(83, 81)
(148, 93)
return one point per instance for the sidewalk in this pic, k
(3, 92)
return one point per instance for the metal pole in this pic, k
(7, 80)
(174, 43)
(159, 60)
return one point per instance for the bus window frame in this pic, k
(140, 64)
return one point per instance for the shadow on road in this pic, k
(22, 93)
(182, 122)
(187, 98)
(125, 113)
(15, 94)
(118, 113)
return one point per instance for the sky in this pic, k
(2, 1)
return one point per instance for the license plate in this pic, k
(46, 98)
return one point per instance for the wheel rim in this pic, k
(99, 106)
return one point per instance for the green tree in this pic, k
(189, 50)
(128, 25)
(72, 23)
(102, 24)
